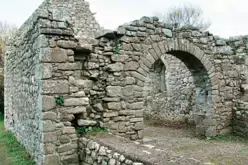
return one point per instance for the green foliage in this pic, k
(1, 116)
(117, 47)
(15, 151)
(228, 138)
(60, 100)
(85, 130)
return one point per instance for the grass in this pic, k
(15, 151)
(229, 138)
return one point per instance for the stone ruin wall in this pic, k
(99, 86)
(37, 70)
(178, 97)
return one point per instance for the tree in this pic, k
(6, 32)
(186, 15)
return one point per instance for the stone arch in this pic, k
(158, 49)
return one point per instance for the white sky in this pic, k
(228, 17)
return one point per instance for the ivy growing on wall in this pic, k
(60, 100)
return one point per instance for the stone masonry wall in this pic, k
(178, 98)
(23, 87)
(92, 152)
(58, 53)
(38, 68)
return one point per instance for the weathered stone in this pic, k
(55, 87)
(99, 107)
(128, 90)
(113, 91)
(51, 159)
(56, 55)
(120, 58)
(115, 67)
(70, 159)
(48, 69)
(131, 65)
(50, 116)
(211, 132)
(86, 122)
(114, 106)
(110, 114)
(48, 126)
(76, 110)
(66, 147)
(129, 80)
(48, 103)
(85, 83)
(76, 101)
(138, 105)
(167, 32)
(67, 44)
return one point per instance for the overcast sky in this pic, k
(228, 17)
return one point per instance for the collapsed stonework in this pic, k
(113, 78)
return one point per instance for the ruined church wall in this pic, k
(23, 87)
(38, 68)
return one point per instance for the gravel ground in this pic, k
(183, 147)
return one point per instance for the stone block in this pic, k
(138, 105)
(67, 44)
(209, 122)
(167, 32)
(84, 83)
(129, 80)
(134, 120)
(98, 107)
(138, 76)
(115, 67)
(76, 101)
(57, 55)
(66, 147)
(120, 58)
(226, 131)
(48, 102)
(82, 122)
(114, 106)
(132, 65)
(211, 131)
(49, 116)
(64, 139)
(70, 159)
(113, 91)
(78, 94)
(51, 159)
(127, 112)
(76, 110)
(55, 86)
(49, 148)
(200, 130)
(69, 66)
(139, 126)
(128, 90)
(110, 114)
(47, 71)
(48, 126)
(68, 130)
(50, 137)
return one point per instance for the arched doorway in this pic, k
(201, 70)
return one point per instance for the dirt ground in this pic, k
(182, 147)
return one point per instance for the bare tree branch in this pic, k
(186, 15)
